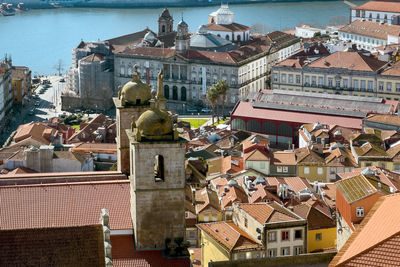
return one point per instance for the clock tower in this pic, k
(182, 41)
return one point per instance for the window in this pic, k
(320, 170)
(388, 87)
(271, 236)
(380, 86)
(318, 236)
(192, 235)
(330, 82)
(272, 252)
(314, 81)
(370, 84)
(397, 87)
(285, 251)
(355, 85)
(297, 78)
(206, 218)
(245, 222)
(362, 85)
(332, 170)
(285, 169)
(298, 250)
(307, 80)
(306, 170)
(283, 78)
(159, 168)
(275, 77)
(360, 211)
(320, 81)
(290, 77)
(345, 83)
(285, 236)
(298, 234)
(337, 83)
(279, 169)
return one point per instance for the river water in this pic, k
(40, 38)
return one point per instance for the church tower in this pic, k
(157, 176)
(133, 99)
(165, 23)
(182, 41)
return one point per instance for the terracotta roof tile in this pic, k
(371, 29)
(262, 194)
(385, 119)
(348, 60)
(284, 158)
(376, 242)
(383, 6)
(234, 27)
(355, 188)
(229, 235)
(257, 155)
(206, 199)
(72, 204)
(66, 246)
(125, 255)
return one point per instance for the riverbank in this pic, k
(142, 4)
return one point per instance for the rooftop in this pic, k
(355, 188)
(269, 212)
(72, 204)
(383, 6)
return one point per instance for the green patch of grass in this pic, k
(76, 127)
(220, 122)
(195, 123)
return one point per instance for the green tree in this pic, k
(222, 89)
(212, 96)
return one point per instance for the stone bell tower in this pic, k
(133, 99)
(165, 23)
(157, 176)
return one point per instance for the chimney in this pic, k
(104, 221)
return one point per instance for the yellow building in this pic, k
(223, 241)
(17, 90)
(321, 232)
(310, 165)
(207, 206)
(345, 73)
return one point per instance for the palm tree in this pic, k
(212, 96)
(222, 89)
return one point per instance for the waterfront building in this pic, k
(369, 35)
(6, 95)
(344, 73)
(378, 11)
(306, 31)
(221, 23)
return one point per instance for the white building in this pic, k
(306, 31)
(221, 23)
(369, 35)
(377, 11)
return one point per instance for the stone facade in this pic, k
(5, 91)
(157, 207)
(124, 121)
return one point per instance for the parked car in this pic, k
(37, 103)
(62, 80)
(205, 110)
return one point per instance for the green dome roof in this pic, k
(155, 122)
(135, 92)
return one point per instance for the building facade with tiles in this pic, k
(378, 11)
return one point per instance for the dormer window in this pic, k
(360, 212)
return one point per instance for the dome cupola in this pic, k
(135, 92)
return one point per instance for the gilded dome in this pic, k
(135, 92)
(155, 123)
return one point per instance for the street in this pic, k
(45, 110)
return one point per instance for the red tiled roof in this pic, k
(268, 212)
(246, 110)
(233, 27)
(64, 205)
(383, 6)
(371, 29)
(376, 242)
(229, 235)
(125, 255)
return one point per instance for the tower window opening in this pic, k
(159, 168)
(163, 28)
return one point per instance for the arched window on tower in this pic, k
(174, 92)
(227, 37)
(170, 28)
(238, 38)
(163, 28)
(159, 168)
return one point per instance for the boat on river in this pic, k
(7, 9)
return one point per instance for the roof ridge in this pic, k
(66, 183)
